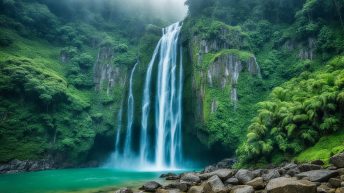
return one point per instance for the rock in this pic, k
(335, 182)
(196, 189)
(318, 175)
(293, 172)
(226, 163)
(340, 190)
(242, 189)
(221, 173)
(160, 190)
(341, 171)
(180, 186)
(124, 190)
(209, 169)
(325, 189)
(214, 185)
(338, 160)
(257, 183)
(342, 184)
(244, 176)
(271, 175)
(318, 162)
(232, 181)
(289, 166)
(342, 177)
(309, 167)
(290, 185)
(151, 186)
(168, 175)
(190, 178)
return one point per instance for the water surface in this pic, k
(74, 181)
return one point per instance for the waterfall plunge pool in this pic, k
(88, 180)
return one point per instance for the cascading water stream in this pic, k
(128, 151)
(165, 143)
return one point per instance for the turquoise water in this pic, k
(74, 180)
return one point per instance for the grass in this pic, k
(324, 149)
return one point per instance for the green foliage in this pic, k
(297, 114)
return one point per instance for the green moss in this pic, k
(326, 147)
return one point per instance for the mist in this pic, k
(172, 10)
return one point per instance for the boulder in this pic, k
(318, 175)
(244, 176)
(226, 163)
(160, 190)
(223, 174)
(257, 183)
(290, 185)
(178, 185)
(289, 166)
(318, 162)
(210, 168)
(271, 174)
(169, 175)
(214, 185)
(196, 189)
(190, 178)
(293, 172)
(151, 186)
(124, 190)
(232, 181)
(338, 160)
(335, 182)
(309, 167)
(323, 188)
(242, 189)
(340, 190)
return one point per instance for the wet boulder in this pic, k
(242, 189)
(190, 178)
(151, 186)
(214, 185)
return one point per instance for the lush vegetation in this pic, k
(53, 100)
(296, 44)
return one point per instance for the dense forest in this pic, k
(264, 79)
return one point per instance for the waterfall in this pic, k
(160, 147)
(144, 145)
(167, 103)
(128, 151)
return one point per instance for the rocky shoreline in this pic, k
(311, 177)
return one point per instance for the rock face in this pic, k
(214, 185)
(150, 186)
(244, 176)
(318, 175)
(289, 185)
(16, 166)
(338, 160)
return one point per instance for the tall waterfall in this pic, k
(160, 142)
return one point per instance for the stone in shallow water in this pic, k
(124, 190)
(150, 186)
(290, 185)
